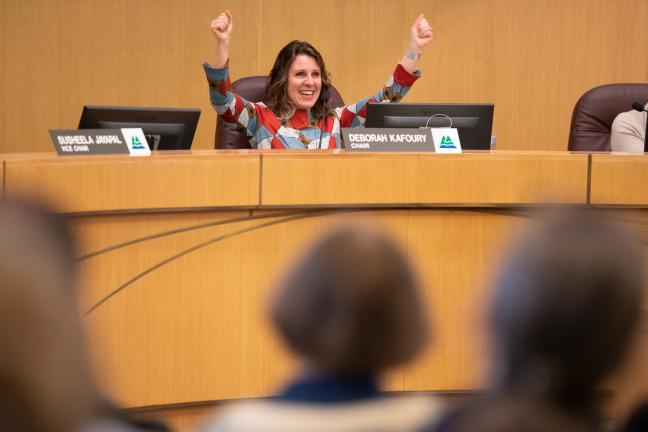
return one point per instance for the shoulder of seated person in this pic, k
(628, 118)
(276, 414)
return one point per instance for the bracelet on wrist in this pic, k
(412, 55)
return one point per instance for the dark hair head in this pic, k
(567, 300)
(31, 231)
(351, 304)
(277, 90)
(45, 381)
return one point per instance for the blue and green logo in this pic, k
(137, 144)
(446, 143)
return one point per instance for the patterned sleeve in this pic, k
(396, 87)
(231, 107)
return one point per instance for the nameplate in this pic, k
(130, 141)
(387, 140)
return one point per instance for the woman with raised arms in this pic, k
(294, 114)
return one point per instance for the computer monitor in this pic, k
(164, 128)
(474, 122)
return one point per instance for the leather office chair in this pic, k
(591, 122)
(253, 88)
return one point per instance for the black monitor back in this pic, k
(474, 122)
(164, 128)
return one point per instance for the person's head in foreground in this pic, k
(566, 303)
(351, 305)
(349, 309)
(45, 384)
(45, 379)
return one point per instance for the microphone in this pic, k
(324, 96)
(639, 107)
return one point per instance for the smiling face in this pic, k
(304, 82)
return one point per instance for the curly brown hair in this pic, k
(277, 90)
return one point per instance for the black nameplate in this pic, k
(387, 140)
(89, 142)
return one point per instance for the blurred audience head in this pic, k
(567, 300)
(351, 304)
(45, 384)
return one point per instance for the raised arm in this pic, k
(420, 36)
(231, 107)
(222, 28)
(399, 83)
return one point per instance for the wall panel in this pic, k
(532, 58)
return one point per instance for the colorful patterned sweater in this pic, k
(299, 130)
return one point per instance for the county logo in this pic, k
(137, 144)
(446, 143)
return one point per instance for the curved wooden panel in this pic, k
(189, 331)
(196, 330)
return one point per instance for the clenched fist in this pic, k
(420, 35)
(222, 27)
